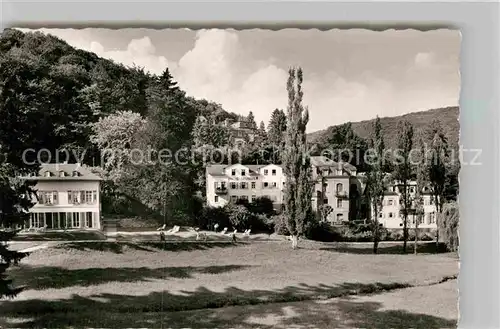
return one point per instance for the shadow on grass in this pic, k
(119, 247)
(255, 309)
(43, 277)
(393, 249)
(61, 236)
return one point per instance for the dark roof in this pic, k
(390, 193)
(323, 161)
(83, 172)
(218, 170)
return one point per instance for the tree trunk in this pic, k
(375, 237)
(295, 241)
(416, 236)
(405, 231)
(438, 215)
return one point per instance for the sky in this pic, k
(349, 75)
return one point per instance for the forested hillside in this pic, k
(448, 117)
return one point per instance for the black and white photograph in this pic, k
(221, 178)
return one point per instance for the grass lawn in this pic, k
(125, 284)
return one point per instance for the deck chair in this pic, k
(176, 229)
(247, 232)
(224, 231)
(162, 228)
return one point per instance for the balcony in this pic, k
(221, 190)
(341, 194)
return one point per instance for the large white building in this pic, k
(229, 183)
(67, 197)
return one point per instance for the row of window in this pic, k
(340, 202)
(74, 197)
(391, 202)
(243, 172)
(235, 198)
(59, 220)
(245, 185)
(431, 217)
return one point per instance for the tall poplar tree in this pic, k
(403, 172)
(421, 185)
(296, 162)
(437, 170)
(376, 184)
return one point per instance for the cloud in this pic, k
(139, 52)
(246, 74)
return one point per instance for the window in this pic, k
(253, 184)
(62, 220)
(275, 184)
(266, 184)
(390, 202)
(244, 197)
(234, 198)
(233, 172)
(325, 201)
(88, 220)
(284, 184)
(48, 197)
(243, 172)
(432, 218)
(233, 186)
(216, 199)
(273, 172)
(244, 185)
(431, 200)
(253, 198)
(412, 189)
(380, 215)
(339, 172)
(340, 218)
(340, 187)
(75, 220)
(266, 172)
(390, 215)
(339, 203)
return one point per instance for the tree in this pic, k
(238, 215)
(421, 186)
(450, 225)
(115, 135)
(15, 200)
(276, 128)
(298, 208)
(376, 180)
(403, 172)
(325, 211)
(437, 170)
(262, 133)
(251, 120)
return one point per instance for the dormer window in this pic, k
(76, 173)
(243, 172)
(62, 173)
(48, 174)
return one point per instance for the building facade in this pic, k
(230, 183)
(391, 217)
(336, 184)
(67, 197)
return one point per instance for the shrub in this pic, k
(260, 223)
(262, 205)
(322, 231)
(449, 225)
(209, 216)
(239, 216)
(426, 236)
